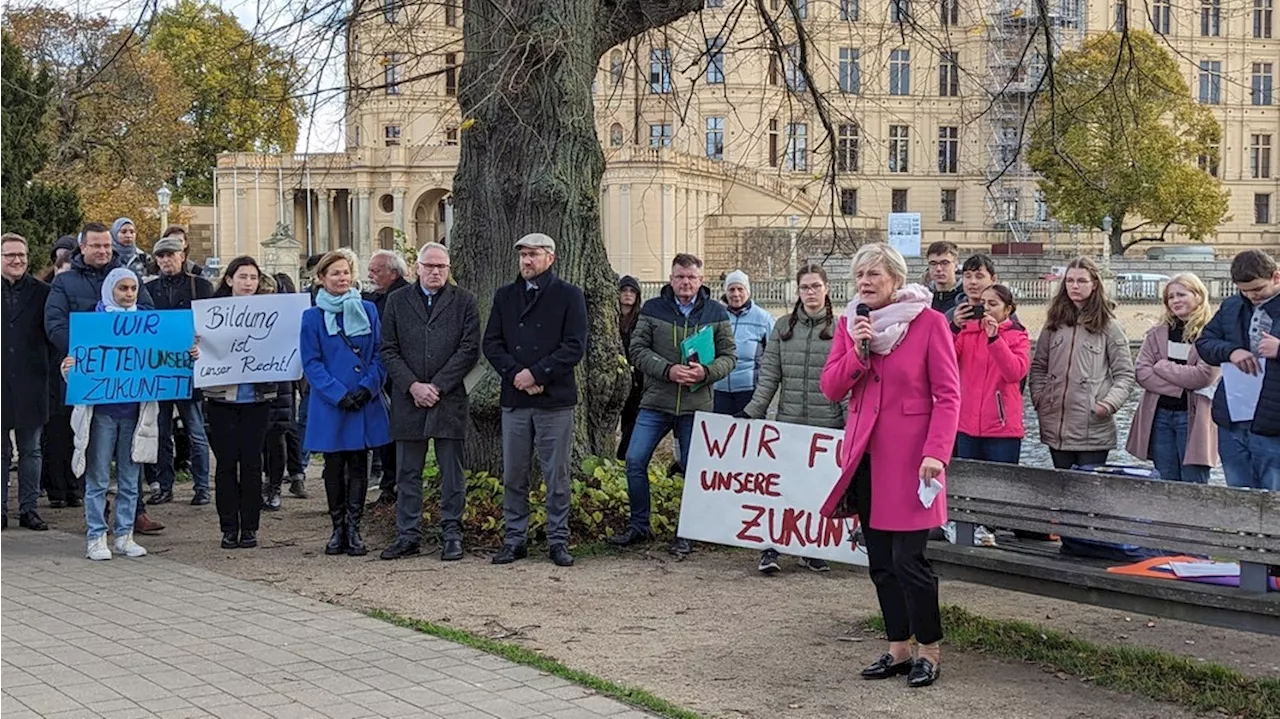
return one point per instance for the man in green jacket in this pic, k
(676, 386)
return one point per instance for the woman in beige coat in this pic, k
(1081, 372)
(1173, 427)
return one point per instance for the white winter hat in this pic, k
(737, 277)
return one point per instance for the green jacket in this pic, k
(655, 348)
(792, 369)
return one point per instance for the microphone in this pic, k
(864, 311)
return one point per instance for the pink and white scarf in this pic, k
(891, 321)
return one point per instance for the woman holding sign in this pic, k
(347, 415)
(1173, 427)
(894, 359)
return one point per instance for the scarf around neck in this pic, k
(354, 319)
(890, 322)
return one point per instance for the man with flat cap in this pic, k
(535, 337)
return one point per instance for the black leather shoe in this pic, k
(399, 549)
(74, 501)
(163, 496)
(510, 553)
(560, 555)
(31, 520)
(923, 673)
(883, 668)
(681, 547)
(630, 537)
(57, 503)
(355, 543)
(248, 539)
(230, 540)
(337, 541)
(200, 499)
(452, 550)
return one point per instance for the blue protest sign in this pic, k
(130, 356)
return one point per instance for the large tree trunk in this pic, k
(531, 162)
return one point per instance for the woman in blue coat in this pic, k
(346, 414)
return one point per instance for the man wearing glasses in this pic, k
(942, 281)
(26, 377)
(387, 272)
(430, 341)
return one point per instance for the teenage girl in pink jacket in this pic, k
(994, 355)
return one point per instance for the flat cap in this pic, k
(537, 240)
(167, 244)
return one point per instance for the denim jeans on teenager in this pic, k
(192, 413)
(29, 460)
(1169, 446)
(651, 427)
(989, 449)
(1248, 459)
(110, 438)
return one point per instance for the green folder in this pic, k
(699, 347)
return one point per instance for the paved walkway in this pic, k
(152, 637)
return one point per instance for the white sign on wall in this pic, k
(249, 339)
(904, 233)
(760, 484)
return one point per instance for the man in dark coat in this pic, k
(430, 342)
(25, 398)
(536, 336)
(387, 271)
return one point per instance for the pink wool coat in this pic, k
(1158, 375)
(903, 407)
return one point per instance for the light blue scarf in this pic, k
(354, 319)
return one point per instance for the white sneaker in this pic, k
(126, 546)
(98, 549)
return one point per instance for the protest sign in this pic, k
(761, 484)
(249, 339)
(130, 357)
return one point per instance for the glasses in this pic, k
(810, 289)
(433, 266)
(11, 256)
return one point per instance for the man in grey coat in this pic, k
(430, 342)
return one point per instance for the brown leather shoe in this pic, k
(146, 525)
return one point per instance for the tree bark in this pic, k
(531, 162)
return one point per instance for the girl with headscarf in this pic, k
(124, 242)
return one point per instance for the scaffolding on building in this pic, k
(1016, 67)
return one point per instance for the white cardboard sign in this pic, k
(760, 485)
(249, 339)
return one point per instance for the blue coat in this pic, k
(751, 329)
(332, 370)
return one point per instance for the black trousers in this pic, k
(387, 453)
(56, 442)
(1065, 459)
(905, 583)
(293, 450)
(236, 435)
(346, 479)
(274, 453)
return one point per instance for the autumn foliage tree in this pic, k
(1118, 134)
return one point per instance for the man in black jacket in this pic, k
(387, 271)
(25, 396)
(535, 337)
(174, 289)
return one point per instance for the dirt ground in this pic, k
(708, 633)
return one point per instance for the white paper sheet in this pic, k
(1243, 390)
(928, 491)
(1183, 570)
(1179, 351)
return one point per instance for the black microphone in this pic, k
(864, 311)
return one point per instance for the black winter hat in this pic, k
(629, 281)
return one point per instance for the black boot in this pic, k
(335, 492)
(357, 486)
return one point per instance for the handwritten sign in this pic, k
(249, 339)
(130, 357)
(761, 484)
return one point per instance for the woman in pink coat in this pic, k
(897, 367)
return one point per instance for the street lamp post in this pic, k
(163, 195)
(1106, 245)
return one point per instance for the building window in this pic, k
(451, 136)
(801, 9)
(715, 138)
(773, 143)
(451, 74)
(900, 11)
(1262, 12)
(450, 13)
(949, 205)
(1209, 161)
(1260, 157)
(1210, 18)
(850, 70)
(1041, 207)
(899, 148)
(773, 69)
(715, 60)
(615, 135)
(616, 67)
(949, 75)
(660, 135)
(1010, 205)
(848, 201)
(849, 11)
(949, 12)
(1261, 86)
(1122, 16)
(660, 71)
(391, 135)
(795, 76)
(391, 10)
(1161, 10)
(1262, 208)
(898, 201)
(391, 72)
(1210, 82)
(797, 146)
(948, 150)
(847, 150)
(900, 72)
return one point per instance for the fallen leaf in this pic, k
(1150, 624)
(1191, 641)
(1062, 675)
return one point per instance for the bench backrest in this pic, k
(1224, 522)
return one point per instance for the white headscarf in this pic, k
(108, 297)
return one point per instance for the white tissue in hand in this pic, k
(929, 491)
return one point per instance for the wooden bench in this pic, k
(1219, 522)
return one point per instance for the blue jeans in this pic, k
(732, 402)
(110, 438)
(1248, 459)
(192, 413)
(1169, 446)
(651, 427)
(30, 458)
(989, 449)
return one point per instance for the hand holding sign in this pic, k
(249, 339)
(118, 357)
